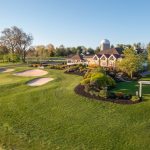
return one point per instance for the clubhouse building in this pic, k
(107, 57)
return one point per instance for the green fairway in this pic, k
(53, 117)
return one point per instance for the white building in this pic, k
(105, 44)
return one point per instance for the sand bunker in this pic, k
(39, 81)
(5, 70)
(32, 73)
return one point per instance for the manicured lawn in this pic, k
(8, 64)
(54, 117)
(132, 87)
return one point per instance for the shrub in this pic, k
(127, 96)
(59, 67)
(78, 69)
(85, 81)
(93, 93)
(111, 82)
(99, 69)
(134, 98)
(119, 95)
(87, 74)
(103, 93)
(11, 58)
(98, 80)
(34, 65)
(72, 69)
(111, 95)
(86, 88)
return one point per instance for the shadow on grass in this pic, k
(127, 87)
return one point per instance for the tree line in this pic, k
(16, 45)
(61, 51)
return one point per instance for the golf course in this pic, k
(52, 116)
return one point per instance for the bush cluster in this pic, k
(59, 67)
(119, 95)
(10, 58)
(77, 69)
(35, 65)
(97, 79)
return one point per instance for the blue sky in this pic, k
(79, 22)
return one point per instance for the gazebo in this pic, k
(140, 87)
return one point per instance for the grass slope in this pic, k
(54, 117)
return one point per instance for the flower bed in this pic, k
(80, 90)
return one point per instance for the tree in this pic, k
(16, 40)
(23, 42)
(68, 51)
(41, 51)
(8, 38)
(148, 51)
(79, 49)
(60, 51)
(3, 50)
(90, 51)
(112, 46)
(123, 46)
(97, 50)
(31, 52)
(137, 45)
(73, 50)
(51, 50)
(132, 62)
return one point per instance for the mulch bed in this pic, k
(79, 89)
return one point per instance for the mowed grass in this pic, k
(54, 117)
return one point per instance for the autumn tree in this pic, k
(41, 51)
(32, 52)
(51, 50)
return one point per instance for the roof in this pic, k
(117, 52)
(88, 56)
(77, 57)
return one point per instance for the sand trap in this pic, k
(32, 73)
(39, 81)
(5, 70)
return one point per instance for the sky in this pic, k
(79, 22)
